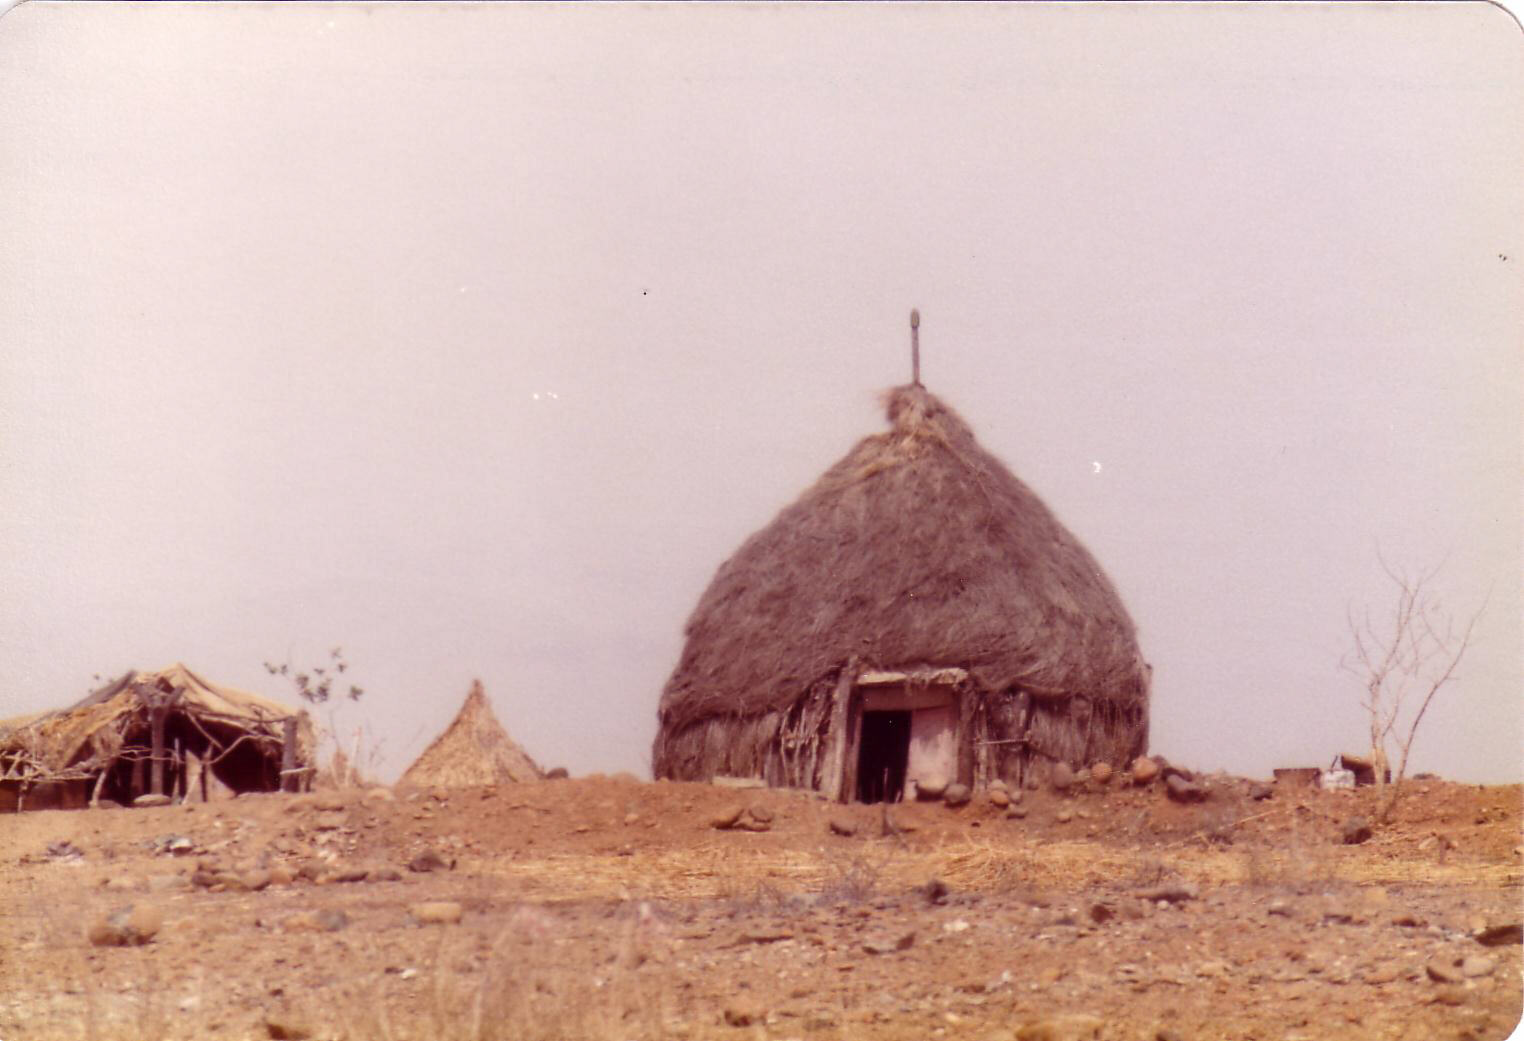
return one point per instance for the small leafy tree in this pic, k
(1402, 660)
(315, 685)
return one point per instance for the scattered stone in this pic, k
(727, 818)
(1340, 915)
(556, 773)
(935, 891)
(1064, 815)
(1212, 969)
(1031, 784)
(1016, 813)
(1100, 772)
(764, 936)
(151, 800)
(1173, 893)
(1181, 790)
(1498, 935)
(130, 926)
(1443, 972)
(436, 912)
(1082, 775)
(957, 795)
(1356, 831)
(64, 850)
(1144, 770)
(255, 880)
(328, 821)
(1279, 907)
(1101, 913)
(1259, 791)
(931, 788)
(348, 874)
(998, 785)
(386, 874)
(1477, 965)
(999, 798)
(1449, 995)
(1072, 1027)
(315, 922)
(119, 882)
(428, 860)
(1383, 973)
(842, 826)
(166, 883)
(1407, 921)
(285, 1026)
(1166, 1034)
(1061, 778)
(331, 802)
(890, 945)
(743, 1012)
(281, 875)
(760, 813)
(379, 794)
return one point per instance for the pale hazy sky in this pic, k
(474, 338)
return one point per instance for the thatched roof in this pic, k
(474, 750)
(87, 734)
(918, 548)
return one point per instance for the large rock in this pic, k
(1182, 790)
(932, 787)
(1144, 770)
(1100, 773)
(957, 795)
(1499, 935)
(1000, 798)
(152, 800)
(1061, 778)
(728, 817)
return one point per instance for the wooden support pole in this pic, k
(156, 716)
(288, 779)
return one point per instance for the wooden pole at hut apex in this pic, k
(915, 346)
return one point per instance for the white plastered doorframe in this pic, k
(930, 696)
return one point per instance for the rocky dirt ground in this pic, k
(609, 908)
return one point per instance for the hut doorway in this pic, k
(906, 732)
(884, 756)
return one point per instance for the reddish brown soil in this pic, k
(608, 908)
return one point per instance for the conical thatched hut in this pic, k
(917, 612)
(473, 750)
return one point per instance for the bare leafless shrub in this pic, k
(1407, 658)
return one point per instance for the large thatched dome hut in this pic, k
(917, 612)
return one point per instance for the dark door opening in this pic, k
(885, 751)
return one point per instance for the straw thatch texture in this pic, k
(474, 750)
(242, 732)
(918, 549)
